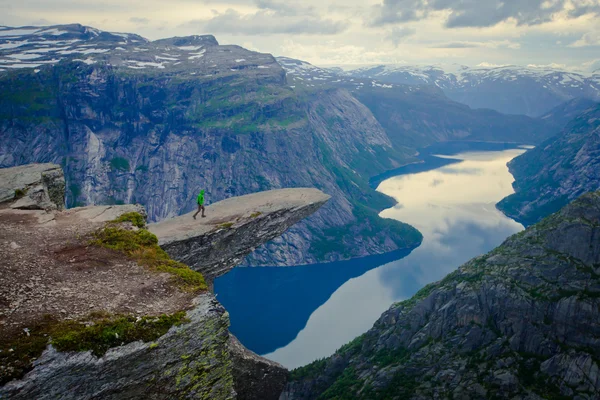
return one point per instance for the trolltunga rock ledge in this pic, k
(233, 227)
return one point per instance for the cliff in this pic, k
(557, 171)
(92, 307)
(522, 321)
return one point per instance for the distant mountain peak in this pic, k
(33, 47)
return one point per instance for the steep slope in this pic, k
(200, 115)
(532, 91)
(557, 171)
(522, 321)
(568, 111)
(92, 307)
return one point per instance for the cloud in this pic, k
(471, 44)
(481, 13)
(588, 39)
(265, 22)
(139, 21)
(399, 35)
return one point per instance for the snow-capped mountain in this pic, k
(304, 74)
(36, 47)
(509, 89)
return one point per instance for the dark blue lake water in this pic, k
(296, 315)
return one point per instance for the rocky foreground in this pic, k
(521, 322)
(92, 307)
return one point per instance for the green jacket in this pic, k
(201, 198)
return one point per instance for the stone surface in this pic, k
(33, 186)
(191, 361)
(232, 228)
(255, 378)
(521, 322)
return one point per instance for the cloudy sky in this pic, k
(352, 32)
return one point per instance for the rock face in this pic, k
(190, 361)
(557, 171)
(34, 187)
(50, 267)
(216, 244)
(521, 322)
(254, 377)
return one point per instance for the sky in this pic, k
(563, 33)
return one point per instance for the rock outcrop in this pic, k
(217, 243)
(521, 322)
(557, 171)
(56, 281)
(33, 187)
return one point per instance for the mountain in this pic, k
(417, 116)
(521, 322)
(557, 171)
(564, 113)
(152, 122)
(532, 91)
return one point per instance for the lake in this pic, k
(295, 315)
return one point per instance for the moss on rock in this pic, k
(142, 246)
(97, 333)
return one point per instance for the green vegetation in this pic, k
(255, 214)
(135, 218)
(98, 333)
(225, 225)
(119, 164)
(312, 370)
(19, 193)
(142, 246)
(111, 331)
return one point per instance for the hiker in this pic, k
(200, 204)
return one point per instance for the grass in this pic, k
(96, 333)
(255, 214)
(19, 193)
(225, 225)
(135, 218)
(142, 246)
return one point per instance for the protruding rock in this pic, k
(255, 377)
(233, 228)
(33, 187)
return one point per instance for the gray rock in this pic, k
(215, 244)
(557, 171)
(33, 187)
(255, 378)
(190, 361)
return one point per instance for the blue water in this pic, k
(295, 315)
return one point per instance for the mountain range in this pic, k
(508, 89)
(133, 120)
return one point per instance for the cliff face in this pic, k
(557, 171)
(522, 321)
(90, 306)
(127, 136)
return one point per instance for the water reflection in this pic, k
(319, 309)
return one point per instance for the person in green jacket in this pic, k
(200, 202)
